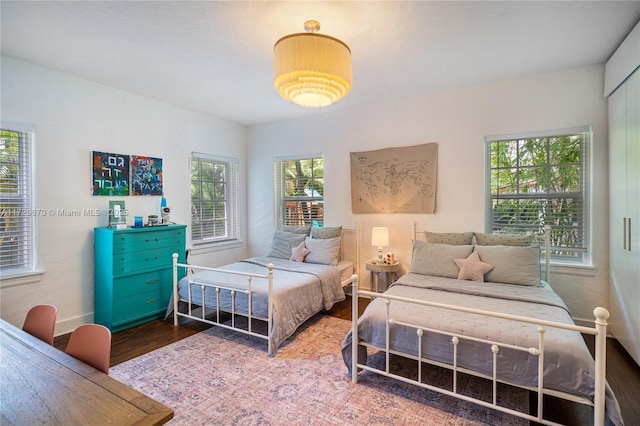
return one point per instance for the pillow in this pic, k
(519, 240)
(326, 232)
(299, 252)
(322, 250)
(283, 242)
(437, 259)
(451, 238)
(297, 229)
(472, 268)
(512, 265)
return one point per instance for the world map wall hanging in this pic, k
(394, 180)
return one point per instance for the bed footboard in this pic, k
(218, 318)
(599, 331)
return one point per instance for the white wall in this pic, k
(74, 117)
(458, 121)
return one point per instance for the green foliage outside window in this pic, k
(212, 200)
(303, 191)
(537, 182)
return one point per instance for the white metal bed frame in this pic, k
(202, 317)
(599, 331)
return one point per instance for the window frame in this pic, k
(316, 202)
(230, 199)
(25, 203)
(582, 251)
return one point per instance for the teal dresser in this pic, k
(134, 274)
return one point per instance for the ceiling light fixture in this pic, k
(311, 70)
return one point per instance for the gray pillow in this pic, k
(437, 259)
(452, 238)
(283, 242)
(512, 265)
(518, 240)
(296, 229)
(322, 250)
(326, 232)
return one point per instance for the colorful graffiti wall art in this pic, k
(146, 175)
(110, 173)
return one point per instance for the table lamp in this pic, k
(380, 238)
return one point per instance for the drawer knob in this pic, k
(155, 299)
(153, 280)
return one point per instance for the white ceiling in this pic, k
(215, 56)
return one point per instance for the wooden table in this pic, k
(388, 270)
(40, 384)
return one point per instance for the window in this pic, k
(537, 180)
(214, 208)
(17, 210)
(299, 191)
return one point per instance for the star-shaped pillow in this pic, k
(472, 268)
(299, 252)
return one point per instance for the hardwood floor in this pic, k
(623, 374)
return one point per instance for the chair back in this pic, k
(41, 321)
(91, 344)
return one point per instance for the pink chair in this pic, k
(40, 322)
(91, 344)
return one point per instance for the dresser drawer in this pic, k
(126, 242)
(141, 283)
(139, 306)
(131, 262)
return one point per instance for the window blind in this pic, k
(537, 180)
(17, 209)
(214, 189)
(299, 191)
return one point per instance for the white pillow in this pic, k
(322, 250)
(283, 242)
(437, 259)
(512, 265)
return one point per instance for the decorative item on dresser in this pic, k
(133, 273)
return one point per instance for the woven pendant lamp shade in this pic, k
(311, 70)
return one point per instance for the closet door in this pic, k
(632, 293)
(624, 195)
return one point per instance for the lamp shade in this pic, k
(380, 236)
(311, 70)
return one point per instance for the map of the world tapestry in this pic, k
(394, 180)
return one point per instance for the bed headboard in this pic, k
(350, 246)
(470, 238)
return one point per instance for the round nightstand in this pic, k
(388, 270)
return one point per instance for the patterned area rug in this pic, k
(221, 377)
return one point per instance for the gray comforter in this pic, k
(300, 290)
(568, 366)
